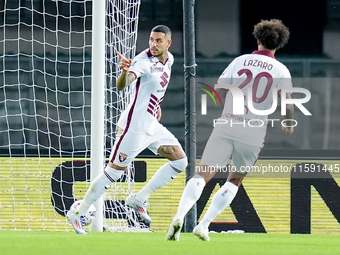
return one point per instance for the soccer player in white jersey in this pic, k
(139, 128)
(243, 140)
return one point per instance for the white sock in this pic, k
(220, 201)
(192, 192)
(163, 176)
(98, 187)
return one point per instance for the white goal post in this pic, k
(97, 102)
(59, 106)
(114, 28)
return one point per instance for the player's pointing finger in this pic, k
(121, 56)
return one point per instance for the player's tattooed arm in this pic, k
(124, 80)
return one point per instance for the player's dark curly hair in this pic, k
(163, 29)
(272, 34)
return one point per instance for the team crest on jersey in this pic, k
(122, 156)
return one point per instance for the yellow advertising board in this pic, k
(26, 197)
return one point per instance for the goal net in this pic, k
(45, 110)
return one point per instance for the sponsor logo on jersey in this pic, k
(156, 69)
(165, 80)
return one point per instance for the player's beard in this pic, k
(156, 52)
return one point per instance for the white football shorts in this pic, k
(127, 145)
(219, 149)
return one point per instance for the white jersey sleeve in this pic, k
(138, 66)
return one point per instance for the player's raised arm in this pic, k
(125, 78)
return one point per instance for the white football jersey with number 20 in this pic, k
(257, 75)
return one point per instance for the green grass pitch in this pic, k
(43, 242)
